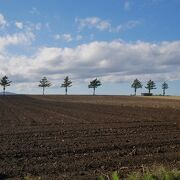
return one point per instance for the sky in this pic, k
(115, 41)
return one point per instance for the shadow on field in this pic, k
(3, 176)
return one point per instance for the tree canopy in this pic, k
(136, 85)
(94, 84)
(164, 87)
(150, 86)
(67, 83)
(44, 83)
(4, 83)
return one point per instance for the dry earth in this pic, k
(80, 137)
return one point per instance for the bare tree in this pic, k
(136, 85)
(4, 83)
(67, 83)
(44, 83)
(94, 84)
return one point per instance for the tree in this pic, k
(67, 83)
(44, 83)
(94, 84)
(164, 87)
(150, 85)
(4, 83)
(136, 85)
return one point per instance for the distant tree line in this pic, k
(149, 86)
(68, 83)
(44, 83)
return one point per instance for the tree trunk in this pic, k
(66, 90)
(135, 91)
(4, 90)
(163, 92)
(149, 90)
(94, 91)
(43, 91)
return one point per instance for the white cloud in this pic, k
(57, 37)
(16, 39)
(111, 61)
(38, 26)
(47, 25)
(34, 11)
(64, 37)
(79, 37)
(68, 37)
(3, 22)
(104, 25)
(29, 26)
(128, 25)
(19, 24)
(93, 22)
(126, 5)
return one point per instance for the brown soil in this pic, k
(80, 137)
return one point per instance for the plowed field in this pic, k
(80, 137)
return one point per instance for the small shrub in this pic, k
(101, 177)
(115, 175)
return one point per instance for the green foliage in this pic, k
(4, 83)
(134, 176)
(67, 83)
(165, 85)
(115, 175)
(166, 174)
(156, 173)
(150, 85)
(101, 177)
(44, 82)
(94, 84)
(136, 85)
(148, 176)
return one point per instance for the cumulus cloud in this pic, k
(3, 21)
(19, 24)
(115, 61)
(16, 39)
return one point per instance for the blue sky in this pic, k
(113, 40)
